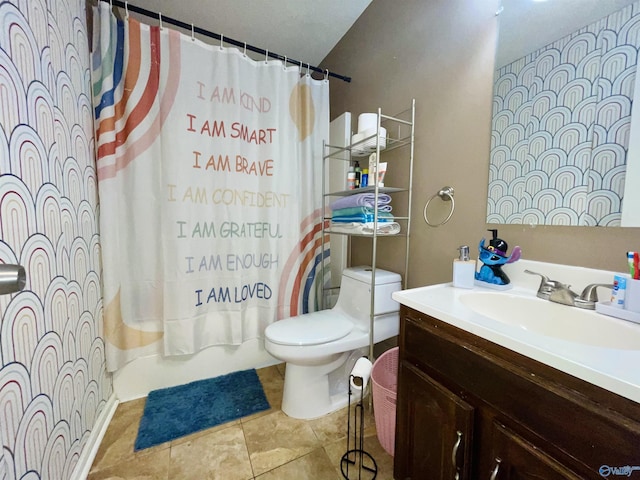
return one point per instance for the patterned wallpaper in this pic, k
(560, 129)
(53, 381)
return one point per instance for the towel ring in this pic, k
(446, 194)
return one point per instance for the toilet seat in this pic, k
(310, 329)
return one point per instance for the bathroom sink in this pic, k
(554, 320)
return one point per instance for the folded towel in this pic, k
(389, 228)
(360, 200)
(359, 210)
(360, 217)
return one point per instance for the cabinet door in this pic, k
(434, 430)
(514, 458)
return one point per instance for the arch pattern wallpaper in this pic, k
(560, 128)
(53, 379)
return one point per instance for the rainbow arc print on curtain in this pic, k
(560, 129)
(208, 169)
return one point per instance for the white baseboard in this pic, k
(88, 454)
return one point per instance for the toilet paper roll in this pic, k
(362, 370)
(367, 121)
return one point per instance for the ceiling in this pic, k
(305, 30)
(527, 25)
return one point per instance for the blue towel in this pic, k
(360, 200)
(361, 217)
(361, 210)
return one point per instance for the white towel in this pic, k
(361, 200)
(387, 228)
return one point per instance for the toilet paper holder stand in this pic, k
(355, 453)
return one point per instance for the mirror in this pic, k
(563, 142)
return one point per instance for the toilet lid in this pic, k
(310, 329)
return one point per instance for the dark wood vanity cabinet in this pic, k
(438, 428)
(515, 458)
(470, 409)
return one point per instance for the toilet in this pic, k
(320, 348)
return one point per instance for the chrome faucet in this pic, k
(558, 292)
(589, 296)
(547, 286)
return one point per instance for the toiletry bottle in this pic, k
(358, 173)
(351, 179)
(372, 168)
(364, 178)
(464, 269)
(382, 169)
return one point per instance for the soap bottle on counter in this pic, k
(464, 269)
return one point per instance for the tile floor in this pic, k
(264, 446)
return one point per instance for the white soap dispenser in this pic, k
(464, 269)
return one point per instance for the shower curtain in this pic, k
(209, 170)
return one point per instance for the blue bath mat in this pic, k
(174, 412)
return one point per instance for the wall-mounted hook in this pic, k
(160, 19)
(266, 55)
(221, 42)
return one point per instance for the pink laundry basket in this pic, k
(384, 377)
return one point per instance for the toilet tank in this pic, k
(355, 288)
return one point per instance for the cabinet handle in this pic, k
(454, 452)
(494, 473)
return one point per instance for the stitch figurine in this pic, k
(493, 257)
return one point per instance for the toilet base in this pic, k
(307, 390)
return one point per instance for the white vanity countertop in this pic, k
(617, 370)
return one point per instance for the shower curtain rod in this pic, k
(207, 33)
